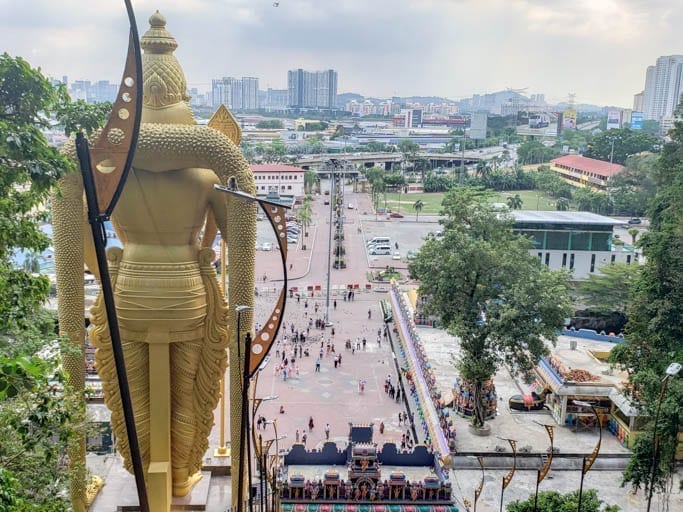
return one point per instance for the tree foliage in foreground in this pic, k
(608, 291)
(481, 280)
(39, 416)
(553, 501)
(654, 331)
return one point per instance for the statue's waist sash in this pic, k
(170, 297)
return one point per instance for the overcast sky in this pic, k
(598, 49)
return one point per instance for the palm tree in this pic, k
(417, 205)
(515, 202)
(482, 170)
(562, 204)
(634, 235)
(311, 179)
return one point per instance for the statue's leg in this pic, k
(137, 369)
(185, 358)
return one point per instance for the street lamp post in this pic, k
(508, 478)
(245, 420)
(329, 241)
(671, 371)
(546, 465)
(588, 461)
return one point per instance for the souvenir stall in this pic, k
(569, 384)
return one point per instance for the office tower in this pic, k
(638, 101)
(250, 98)
(234, 93)
(663, 87)
(308, 89)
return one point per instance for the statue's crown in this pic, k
(163, 79)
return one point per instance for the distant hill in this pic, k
(345, 97)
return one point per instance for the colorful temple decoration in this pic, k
(433, 417)
(372, 480)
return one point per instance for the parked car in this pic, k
(396, 215)
(292, 240)
(396, 256)
(634, 221)
(350, 206)
(410, 255)
(267, 246)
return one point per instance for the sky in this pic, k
(596, 49)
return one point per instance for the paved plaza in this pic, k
(332, 396)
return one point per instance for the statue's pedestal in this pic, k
(196, 500)
(212, 492)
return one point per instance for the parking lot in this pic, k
(408, 234)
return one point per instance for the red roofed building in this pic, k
(581, 171)
(286, 180)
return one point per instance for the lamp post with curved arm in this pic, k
(546, 465)
(508, 478)
(671, 371)
(590, 459)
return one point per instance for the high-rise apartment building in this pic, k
(663, 87)
(235, 93)
(317, 89)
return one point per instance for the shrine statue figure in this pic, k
(167, 297)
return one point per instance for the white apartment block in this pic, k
(285, 180)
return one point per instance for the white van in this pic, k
(379, 240)
(380, 250)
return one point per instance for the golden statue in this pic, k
(175, 324)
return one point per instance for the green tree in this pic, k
(632, 189)
(270, 124)
(274, 152)
(489, 291)
(626, 143)
(409, 149)
(514, 202)
(655, 325)
(588, 200)
(553, 501)
(376, 147)
(417, 206)
(38, 414)
(608, 290)
(562, 204)
(311, 181)
(533, 152)
(29, 168)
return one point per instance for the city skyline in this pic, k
(448, 48)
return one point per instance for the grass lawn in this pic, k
(531, 200)
(431, 203)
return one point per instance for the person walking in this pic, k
(370, 314)
(334, 304)
(297, 436)
(327, 431)
(317, 365)
(310, 424)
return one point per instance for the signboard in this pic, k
(636, 120)
(569, 119)
(613, 119)
(478, 125)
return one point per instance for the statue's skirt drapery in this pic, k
(178, 304)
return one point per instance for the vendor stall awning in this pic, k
(624, 404)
